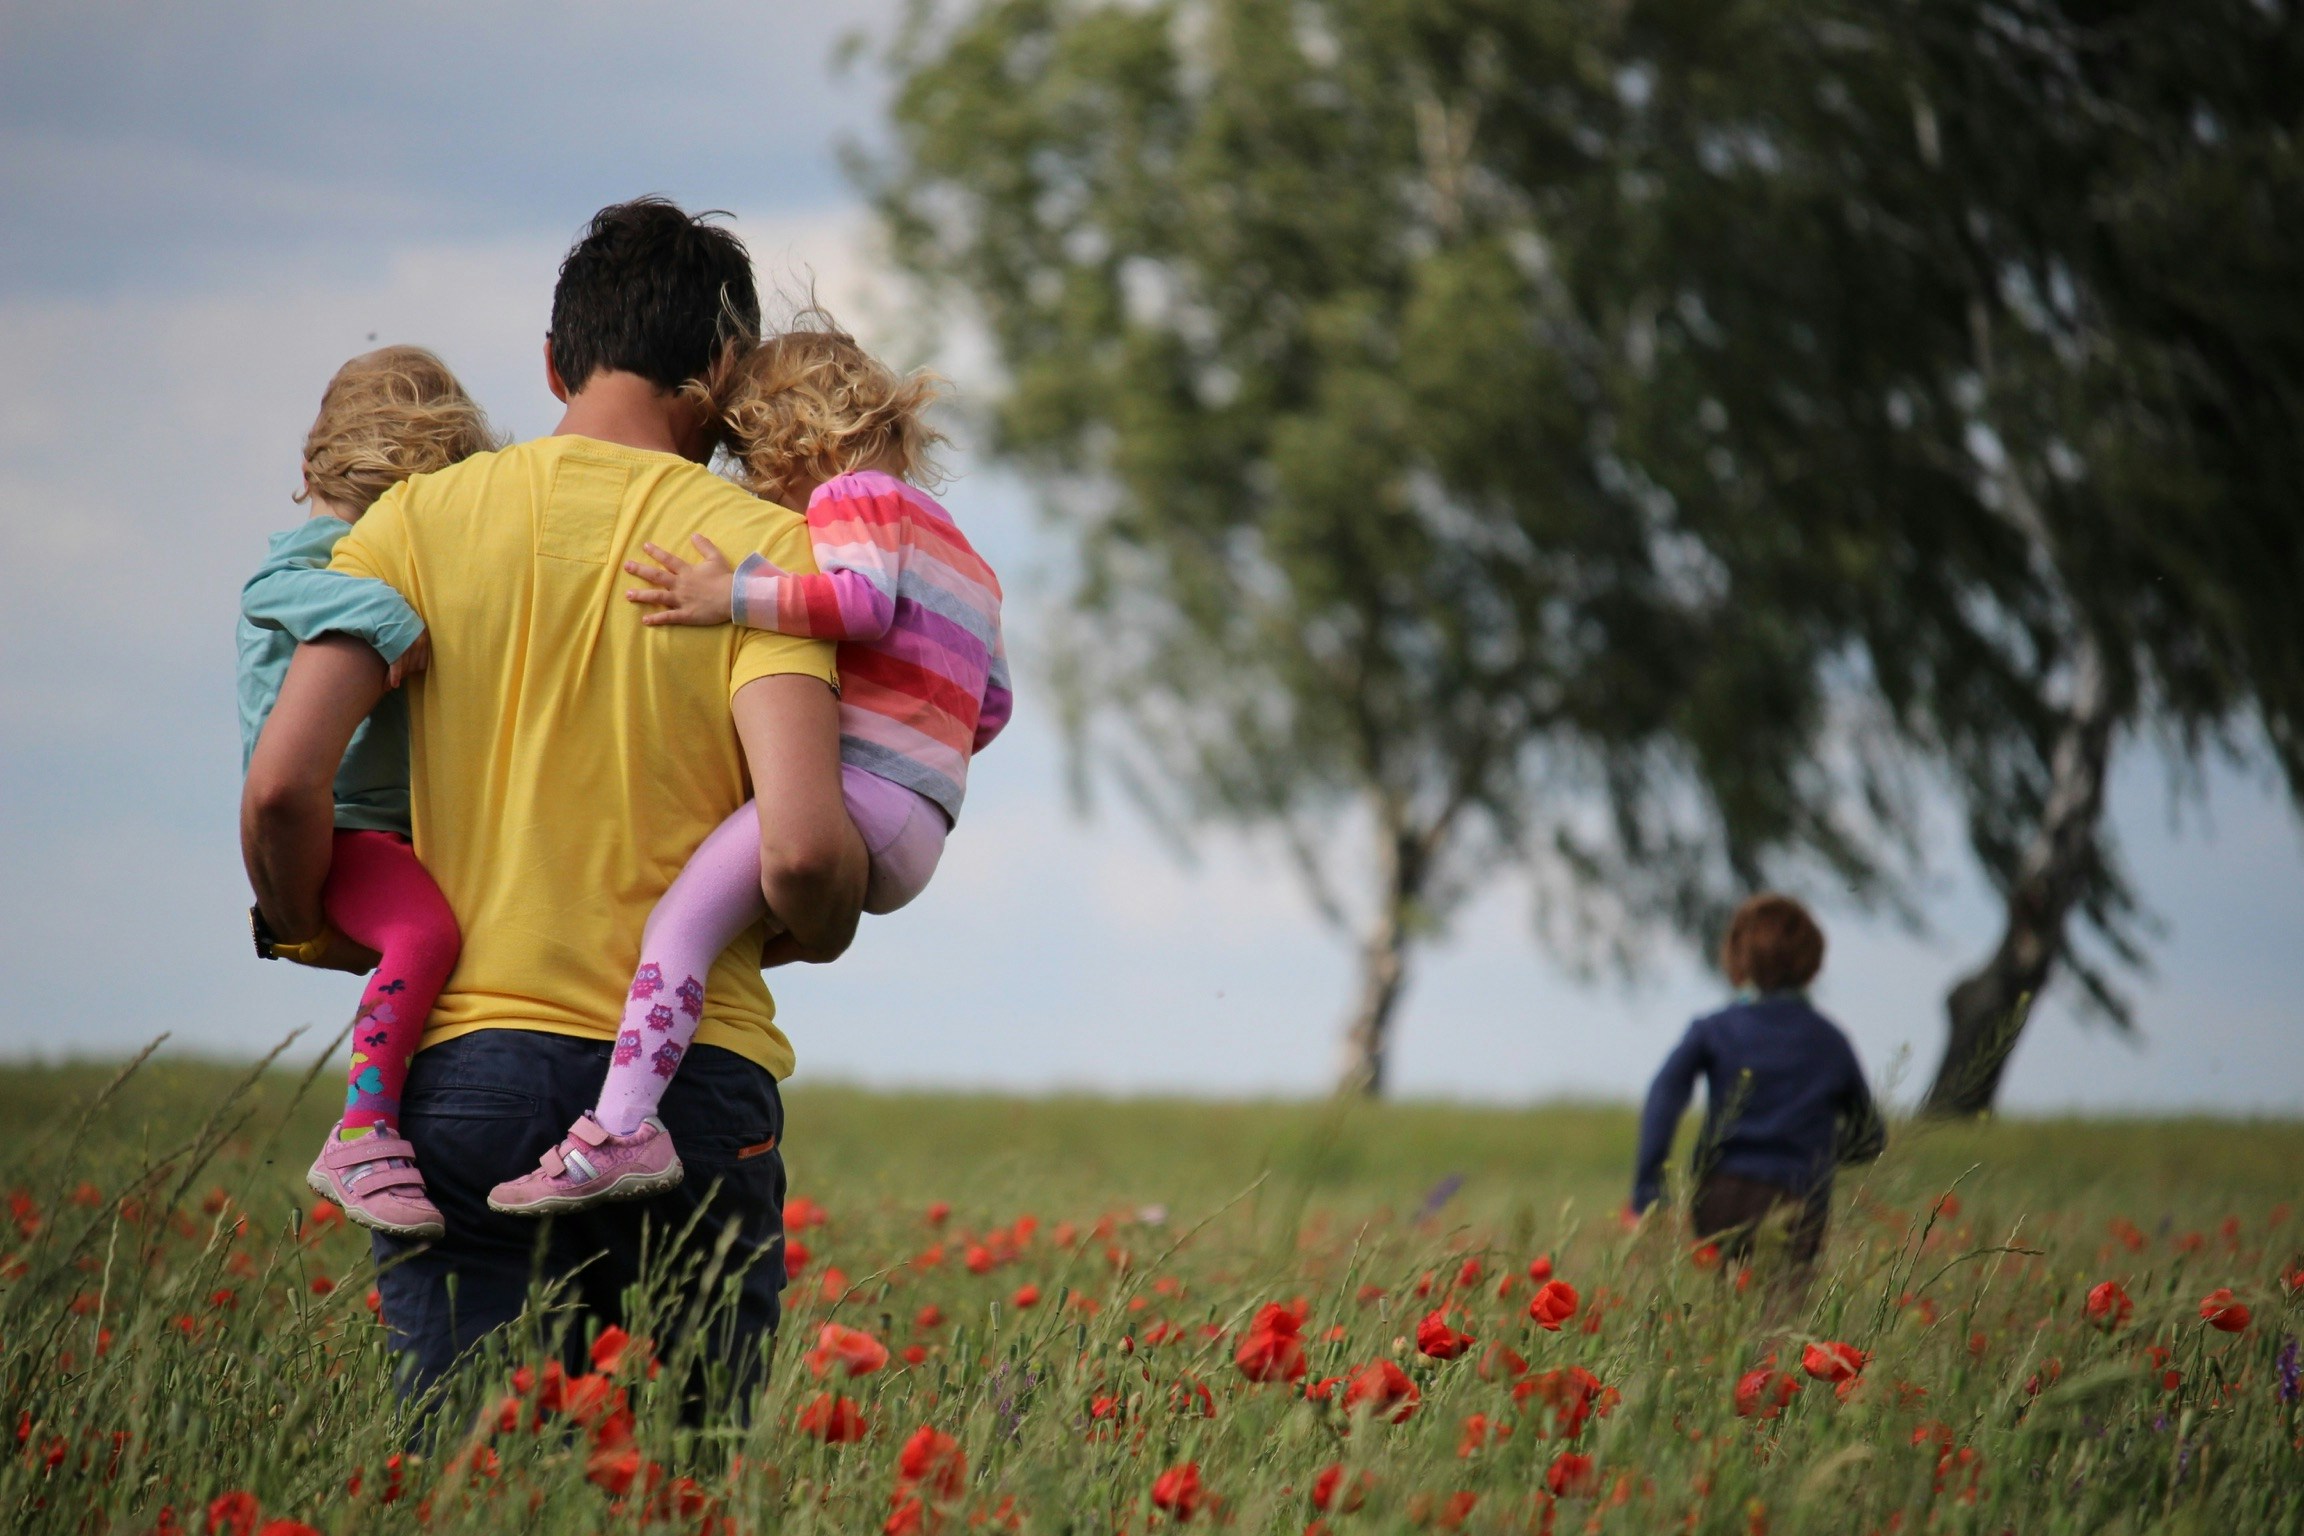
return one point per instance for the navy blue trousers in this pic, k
(482, 1108)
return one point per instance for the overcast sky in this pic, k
(210, 208)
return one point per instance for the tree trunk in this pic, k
(1988, 1008)
(1383, 968)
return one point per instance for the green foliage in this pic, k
(179, 1323)
(1625, 439)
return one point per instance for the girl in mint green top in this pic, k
(386, 416)
(294, 597)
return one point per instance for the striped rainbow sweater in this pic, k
(923, 673)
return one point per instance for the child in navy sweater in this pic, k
(1785, 1099)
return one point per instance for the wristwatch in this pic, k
(270, 948)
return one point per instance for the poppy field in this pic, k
(1099, 1317)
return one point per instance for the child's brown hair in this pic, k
(809, 403)
(1773, 945)
(387, 415)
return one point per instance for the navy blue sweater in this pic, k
(1785, 1100)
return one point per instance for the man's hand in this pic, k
(812, 862)
(684, 593)
(288, 804)
(413, 660)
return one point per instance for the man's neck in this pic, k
(618, 407)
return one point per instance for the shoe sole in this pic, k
(423, 1231)
(638, 1186)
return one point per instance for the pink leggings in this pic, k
(717, 897)
(378, 894)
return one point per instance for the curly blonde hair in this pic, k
(809, 403)
(386, 415)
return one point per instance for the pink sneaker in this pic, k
(375, 1178)
(593, 1166)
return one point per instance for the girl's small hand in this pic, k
(413, 660)
(684, 592)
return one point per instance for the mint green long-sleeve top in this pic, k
(294, 597)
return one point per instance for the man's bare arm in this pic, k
(288, 804)
(812, 862)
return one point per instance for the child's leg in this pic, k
(715, 898)
(380, 895)
(903, 832)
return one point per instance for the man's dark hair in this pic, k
(653, 290)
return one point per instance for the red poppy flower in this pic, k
(233, 1514)
(1571, 1475)
(1763, 1394)
(1573, 1394)
(2220, 1312)
(1468, 1275)
(1385, 1389)
(1273, 1347)
(801, 1213)
(1329, 1491)
(939, 1212)
(1457, 1510)
(591, 1398)
(1555, 1302)
(833, 1420)
(1498, 1360)
(929, 1316)
(286, 1528)
(1178, 1491)
(1435, 1338)
(1833, 1361)
(1477, 1432)
(613, 1467)
(933, 1460)
(978, 1259)
(608, 1349)
(1026, 1295)
(852, 1349)
(2108, 1305)
(796, 1256)
(1540, 1269)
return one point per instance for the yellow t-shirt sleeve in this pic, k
(377, 546)
(763, 652)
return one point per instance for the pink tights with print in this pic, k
(716, 898)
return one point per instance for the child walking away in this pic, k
(1785, 1099)
(816, 423)
(385, 416)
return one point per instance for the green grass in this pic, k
(167, 1224)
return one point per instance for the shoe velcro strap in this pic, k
(370, 1177)
(588, 1131)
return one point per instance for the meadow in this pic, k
(1096, 1316)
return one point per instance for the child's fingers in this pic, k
(653, 596)
(648, 573)
(665, 558)
(711, 553)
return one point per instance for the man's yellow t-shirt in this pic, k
(566, 760)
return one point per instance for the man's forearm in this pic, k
(286, 840)
(288, 805)
(812, 862)
(818, 900)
